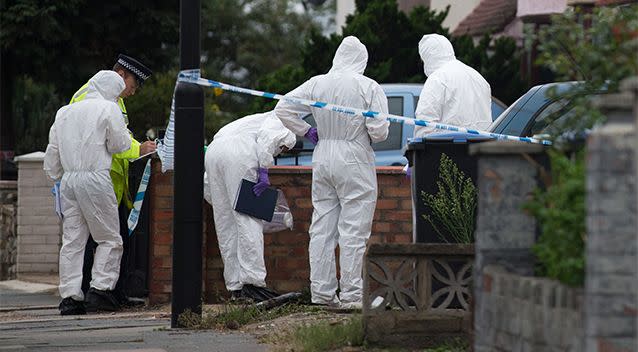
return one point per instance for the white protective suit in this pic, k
(81, 142)
(236, 152)
(454, 93)
(344, 179)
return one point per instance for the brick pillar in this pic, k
(508, 173)
(39, 230)
(161, 234)
(611, 284)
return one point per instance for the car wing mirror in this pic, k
(542, 136)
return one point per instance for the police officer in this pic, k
(134, 74)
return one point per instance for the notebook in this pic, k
(248, 203)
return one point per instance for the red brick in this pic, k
(398, 215)
(158, 298)
(391, 192)
(161, 250)
(301, 215)
(388, 180)
(162, 215)
(301, 250)
(381, 227)
(162, 275)
(289, 238)
(406, 227)
(280, 251)
(387, 204)
(290, 286)
(163, 203)
(162, 237)
(402, 238)
(406, 204)
(163, 190)
(162, 227)
(297, 192)
(304, 203)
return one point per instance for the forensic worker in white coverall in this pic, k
(344, 179)
(454, 93)
(243, 149)
(82, 140)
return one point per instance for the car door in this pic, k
(390, 151)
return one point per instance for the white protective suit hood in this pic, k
(351, 56)
(454, 93)
(107, 85)
(435, 51)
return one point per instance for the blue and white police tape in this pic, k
(139, 198)
(193, 76)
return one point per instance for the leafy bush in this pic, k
(454, 205)
(560, 211)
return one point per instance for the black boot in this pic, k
(69, 306)
(258, 294)
(98, 300)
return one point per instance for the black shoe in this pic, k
(69, 306)
(98, 300)
(258, 294)
(125, 301)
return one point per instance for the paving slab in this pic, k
(30, 321)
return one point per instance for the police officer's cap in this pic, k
(140, 71)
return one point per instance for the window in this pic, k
(395, 107)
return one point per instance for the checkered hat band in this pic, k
(133, 69)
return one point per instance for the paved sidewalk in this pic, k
(30, 321)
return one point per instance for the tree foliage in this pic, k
(391, 37)
(599, 49)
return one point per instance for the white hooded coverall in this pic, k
(344, 179)
(453, 93)
(236, 152)
(82, 140)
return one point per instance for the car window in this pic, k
(497, 109)
(553, 112)
(395, 107)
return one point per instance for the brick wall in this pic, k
(523, 313)
(39, 231)
(285, 252)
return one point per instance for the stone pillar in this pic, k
(611, 283)
(39, 230)
(508, 173)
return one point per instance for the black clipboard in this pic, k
(262, 207)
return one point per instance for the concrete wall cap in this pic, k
(505, 147)
(35, 156)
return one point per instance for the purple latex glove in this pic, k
(312, 135)
(408, 173)
(262, 181)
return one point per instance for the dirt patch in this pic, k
(278, 332)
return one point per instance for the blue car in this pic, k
(402, 101)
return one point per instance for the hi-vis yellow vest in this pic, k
(119, 166)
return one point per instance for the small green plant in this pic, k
(560, 211)
(234, 316)
(454, 205)
(330, 336)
